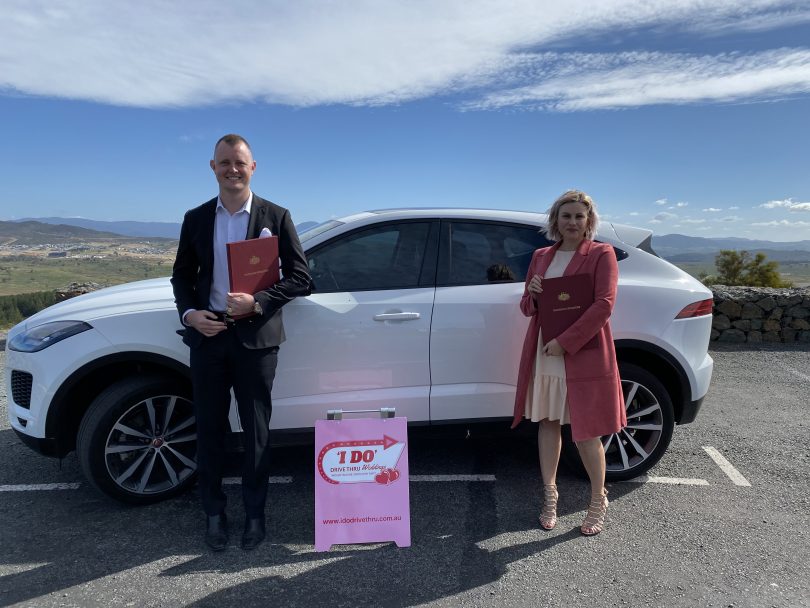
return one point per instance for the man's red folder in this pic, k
(253, 265)
(562, 301)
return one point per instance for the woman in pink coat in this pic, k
(559, 381)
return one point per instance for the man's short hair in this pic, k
(232, 139)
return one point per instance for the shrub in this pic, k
(740, 268)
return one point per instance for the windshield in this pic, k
(310, 233)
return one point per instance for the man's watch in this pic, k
(257, 308)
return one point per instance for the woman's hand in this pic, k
(553, 349)
(535, 286)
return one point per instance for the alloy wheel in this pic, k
(151, 448)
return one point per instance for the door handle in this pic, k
(397, 316)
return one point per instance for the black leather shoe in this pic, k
(216, 532)
(254, 533)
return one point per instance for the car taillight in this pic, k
(696, 309)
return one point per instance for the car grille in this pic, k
(21, 388)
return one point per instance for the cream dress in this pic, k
(547, 395)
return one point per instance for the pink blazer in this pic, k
(595, 401)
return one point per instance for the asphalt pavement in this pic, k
(692, 535)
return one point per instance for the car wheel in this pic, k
(650, 421)
(138, 440)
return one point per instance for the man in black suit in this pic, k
(226, 353)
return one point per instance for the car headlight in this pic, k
(45, 335)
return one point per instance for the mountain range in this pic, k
(169, 230)
(673, 247)
(679, 248)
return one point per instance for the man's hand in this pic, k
(205, 322)
(239, 304)
(535, 286)
(553, 349)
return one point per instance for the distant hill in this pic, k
(168, 230)
(674, 246)
(37, 233)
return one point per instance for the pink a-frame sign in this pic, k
(361, 482)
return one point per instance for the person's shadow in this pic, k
(464, 536)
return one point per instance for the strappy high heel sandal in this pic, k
(548, 515)
(594, 520)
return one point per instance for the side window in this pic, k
(383, 257)
(475, 253)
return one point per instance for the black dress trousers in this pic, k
(217, 364)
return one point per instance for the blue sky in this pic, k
(680, 116)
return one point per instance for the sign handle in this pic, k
(384, 412)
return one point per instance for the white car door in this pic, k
(478, 328)
(361, 340)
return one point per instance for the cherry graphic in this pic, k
(393, 474)
(382, 477)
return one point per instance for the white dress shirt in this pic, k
(227, 229)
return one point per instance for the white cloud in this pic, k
(634, 213)
(733, 208)
(730, 218)
(576, 82)
(661, 202)
(372, 52)
(787, 204)
(712, 209)
(663, 217)
(782, 223)
(690, 221)
(681, 204)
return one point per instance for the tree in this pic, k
(730, 266)
(739, 268)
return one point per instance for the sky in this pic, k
(682, 116)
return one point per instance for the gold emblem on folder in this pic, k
(255, 260)
(563, 297)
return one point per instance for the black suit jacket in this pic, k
(194, 265)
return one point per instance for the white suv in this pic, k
(415, 309)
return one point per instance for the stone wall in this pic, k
(761, 314)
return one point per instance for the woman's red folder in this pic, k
(562, 301)
(253, 265)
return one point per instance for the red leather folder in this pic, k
(562, 302)
(253, 265)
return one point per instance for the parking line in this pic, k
(727, 467)
(238, 480)
(452, 477)
(36, 487)
(796, 372)
(678, 481)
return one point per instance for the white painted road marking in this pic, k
(35, 487)
(452, 478)
(727, 467)
(796, 372)
(677, 481)
(238, 480)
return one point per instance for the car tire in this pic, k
(641, 444)
(137, 441)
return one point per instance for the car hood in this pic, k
(152, 294)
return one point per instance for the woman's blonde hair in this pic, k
(571, 196)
